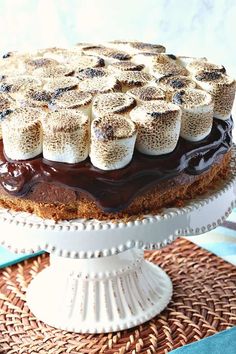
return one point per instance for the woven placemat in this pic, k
(204, 303)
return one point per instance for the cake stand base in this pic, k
(101, 294)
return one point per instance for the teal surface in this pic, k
(8, 258)
(220, 343)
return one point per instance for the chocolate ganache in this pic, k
(114, 190)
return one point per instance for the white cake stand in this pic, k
(98, 280)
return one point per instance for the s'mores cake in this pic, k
(111, 130)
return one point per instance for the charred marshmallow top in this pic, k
(103, 101)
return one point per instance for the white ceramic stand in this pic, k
(98, 280)
(100, 294)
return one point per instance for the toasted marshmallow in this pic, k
(134, 47)
(39, 62)
(112, 141)
(89, 48)
(116, 44)
(171, 68)
(15, 84)
(147, 93)
(81, 62)
(8, 70)
(158, 125)
(6, 102)
(60, 84)
(102, 84)
(12, 63)
(130, 79)
(6, 106)
(53, 71)
(90, 73)
(115, 102)
(150, 59)
(18, 86)
(22, 133)
(125, 66)
(222, 88)
(176, 82)
(146, 59)
(80, 46)
(197, 113)
(37, 98)
(110, 55)
(137, 47)
(66, 136)
(184, 61)
(58, 54)
(196, 66)
(72, 99)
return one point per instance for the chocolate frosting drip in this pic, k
(114, 190)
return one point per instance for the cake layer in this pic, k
(42, 181)
(59, 203)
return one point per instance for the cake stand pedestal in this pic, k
(100, 294)
(98, 280)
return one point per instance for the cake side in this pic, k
(64, 204)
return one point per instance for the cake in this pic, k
(111, 131)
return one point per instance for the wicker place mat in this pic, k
(204, 303)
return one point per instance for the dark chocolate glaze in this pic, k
(114, 190)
